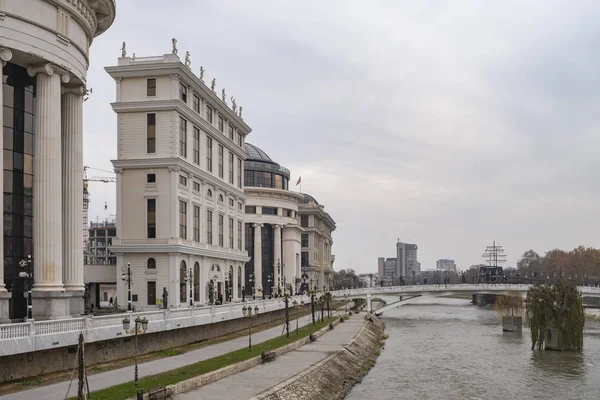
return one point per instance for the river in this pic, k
(454, 350)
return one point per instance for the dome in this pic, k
(256, 154)
(308, 199)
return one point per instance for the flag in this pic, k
(105, 206)
(299, 181)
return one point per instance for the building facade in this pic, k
(445, 265)
(44, 48)
(100, 263)
(180, 197)
(388, 271)
(316, 258)
(271, 227)
(406, 257)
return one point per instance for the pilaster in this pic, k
(5, 56)
(257, 260)
(277, 258)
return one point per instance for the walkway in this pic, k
(122, 375)
(253, 381)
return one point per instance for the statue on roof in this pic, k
(187, 59)
(241, 108)
(213, 84)
(202, 70)
(174, 42)
(233, 105)
(223, 95)
(124, 50)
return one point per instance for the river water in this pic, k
(454, 350)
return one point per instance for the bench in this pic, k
(161, 393)
(267, 356)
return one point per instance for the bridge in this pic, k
(413, 291)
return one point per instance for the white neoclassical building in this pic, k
(272, 230)
(44, 48)
(180, 197)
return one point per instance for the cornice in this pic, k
(265, 193)
(176, 249)
(184, 110)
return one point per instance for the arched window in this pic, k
(183, 283)
(221, 198)
(196, 282)
(215, 267)
(239, 282)
(209, 193)
(151, 263)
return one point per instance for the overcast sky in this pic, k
(442, 123)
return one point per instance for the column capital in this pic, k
(118, 170)
(49, 69)
(257, 225)
(174, 76)
(118, 79)
(5, 55)
(173, 169)
(278, 226)
(77, 90)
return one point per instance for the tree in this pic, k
(527, 261)
(510, 304)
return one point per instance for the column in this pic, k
(119, 178)
(5, 56)
(257, 260)
(278, 260)
(72, 177)
(174, 172)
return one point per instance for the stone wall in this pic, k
(332, 378)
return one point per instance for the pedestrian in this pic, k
(110, 302)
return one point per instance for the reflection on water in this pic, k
(454, 350)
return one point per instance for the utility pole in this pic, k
(80, 361)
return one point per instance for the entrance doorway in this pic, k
(151, 293)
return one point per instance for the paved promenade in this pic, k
(122, 375)
(249, 383)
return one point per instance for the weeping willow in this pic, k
(556, 306)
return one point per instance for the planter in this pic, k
(551, 342)
(512, 324)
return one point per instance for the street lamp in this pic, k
(29, 276)
(297, 306)
(269, 281)
(251, 282)
(247, 311)
(126, 277)
(141, 325)
(286, 299)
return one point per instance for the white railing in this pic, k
(143, 60)
(58, 326)
(13, 331)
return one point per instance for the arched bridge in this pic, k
(410, 292)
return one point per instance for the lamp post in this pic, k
(278, 283)
(247, 311)
(286, 299)
(243, 294)
(29, 276)
(297, 307)
(322, 304)
(269, 281)
(251, 282)
(126, 277)
(346, 302)
(141, 325)
(312, 305)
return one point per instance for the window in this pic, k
(278, 181)
(231, 233)
(239, 235)
(209, 193)
(151, 133)
(269, 211)
(151, 263)
(196, 224)
(182, 137)
(231, 167)
(196, 104)
(304, 258)
(182, 283)
(150, 178)
(250, 210)
(220, 198)
(231, 202)
(209, 232)
(231, 131)
(304, 221)
(220, 161)
(182, 219)
(151, 291)
(248, 178)
(151, 87)
(221, 222)
(196, 282)
(151, 217)
(239, 181)
(182, 180)
(240, 139)
(221, 124)
(305, 240)
(209, 154)
(290, 213)
(196, 187)
(240, 206)
(209, 114)
(183, 92)
(196, 146)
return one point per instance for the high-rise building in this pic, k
(45, 57)
(445, 265)
(406, 258)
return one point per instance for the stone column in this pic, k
(50, 300)
(174, 172)
(257, 260)
(278, 260)
(72, 205)
(5, 56)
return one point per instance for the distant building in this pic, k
(387, 270)
(445, 265)
(406, 255)
(99, 271)
(368, 280)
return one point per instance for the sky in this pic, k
(441, 123)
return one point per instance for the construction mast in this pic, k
(86, 202)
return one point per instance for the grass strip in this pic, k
(127, 390)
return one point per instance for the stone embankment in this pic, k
(332, 378)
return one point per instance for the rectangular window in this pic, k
(182, 137)
(304, 260)
(151, 87)
(196, 146)
(209, 165)
(182, 219)
(231, 233)
(250, 210)
(221, 222)
(240, 139)
(230, 202)
(209, 233)
(196, 224)
(240, 206)
(196, 187)
(231, 170)
(150, 178)
(239, 168)
(305, 240)
(221, 124)
(231, 132)
(209, 114)
(183, 92)
(239, 237)
(182, 180)
(220, 161)
(151, 218)
(196, 104)
(278, 181)
(269, 211)
(304, 221)
(151, 133)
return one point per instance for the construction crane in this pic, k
(86, 201)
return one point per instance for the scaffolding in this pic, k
(86, 202)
